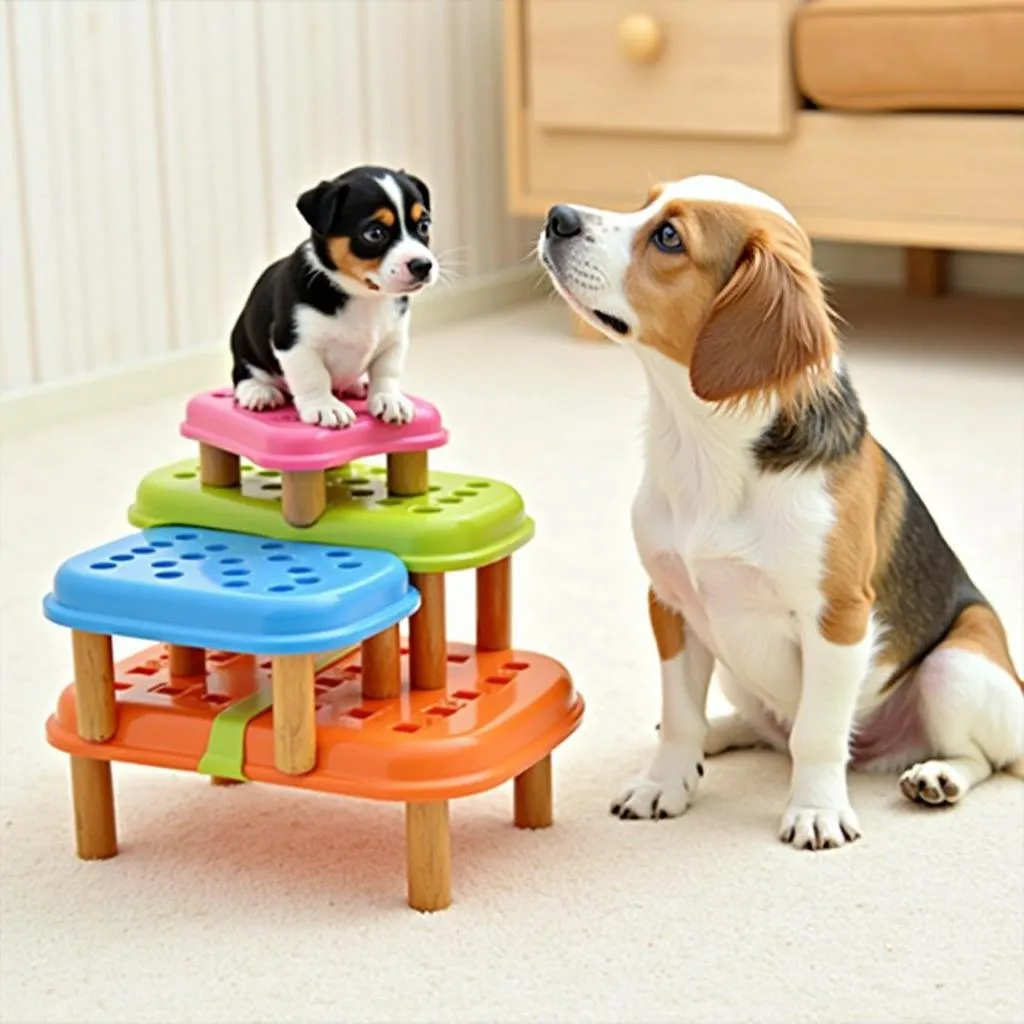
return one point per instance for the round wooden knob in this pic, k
(641, 38)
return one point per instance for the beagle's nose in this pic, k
(563, 222)
(420, 268)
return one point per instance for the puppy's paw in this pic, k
(392, 407)
(667, 787)
(819, 828)
(934, 783)
(256, 395)
(325, 412)
(358, 390)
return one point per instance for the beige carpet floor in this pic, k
(253, 904)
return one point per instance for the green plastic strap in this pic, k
(225, 749)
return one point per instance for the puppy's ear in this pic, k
(769, 328)
(319, 206)
(421, 185)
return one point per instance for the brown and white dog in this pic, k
(783, 543)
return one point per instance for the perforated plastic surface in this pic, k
(278, 439)
(500, 713)
(213, 589)
(463, 522)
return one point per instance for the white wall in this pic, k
(151, 152)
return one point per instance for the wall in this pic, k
(151, 152)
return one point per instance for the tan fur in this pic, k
(417, 211)
(385, 216)
(769, 330)
(978, 629)
(667, 625)
(742, 307)
(353, 266)
(853, 550)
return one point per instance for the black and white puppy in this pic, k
(332, 318)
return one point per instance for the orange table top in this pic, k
(499, 714)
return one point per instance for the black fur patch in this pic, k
(924, 587)
(830, 428)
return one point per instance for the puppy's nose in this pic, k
(563, 222)
(420, 268)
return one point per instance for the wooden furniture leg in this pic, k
(494, 606)
(92, 794)
(92, 791)
(428, 651)
(408, 474)
(93, 655)
(218, 468)
(533, 798)
(429, 855)
(382, 668)
(303, 497)
(925, 271)
(187, 661)
(294, 713)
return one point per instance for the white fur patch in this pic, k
(712, 188)
(258, 394)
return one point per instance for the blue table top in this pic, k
(231, 591)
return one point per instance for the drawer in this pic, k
(696, 67)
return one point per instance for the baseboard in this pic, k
(207, 366)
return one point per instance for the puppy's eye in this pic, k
(667, 239)
(423, 228)
(374, 234)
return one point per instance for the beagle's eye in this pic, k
(374, 234)
(667, 239)
(423, 228)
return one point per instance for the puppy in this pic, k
(337, 308)
(783, 543)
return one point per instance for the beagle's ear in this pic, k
(422, 186)
(768, 327)
(319, 206)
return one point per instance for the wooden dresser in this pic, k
(605, 97)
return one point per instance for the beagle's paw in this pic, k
(666, 789)
(934, 783)
(392, 407)
(325, 412)
(819, 828)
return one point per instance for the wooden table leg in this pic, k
(303, 497)
(533, 796)
(382, 667)
(92, 791)
(428, 650)
(93, 795)
(93, 655)
(294, 713)
(218, 468)
(187, 661)
(408, 474)
(494, 606)
(429, 855)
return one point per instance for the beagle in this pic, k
(784, 545)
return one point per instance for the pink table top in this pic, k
(278, 439)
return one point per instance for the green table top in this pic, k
(463, 521)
